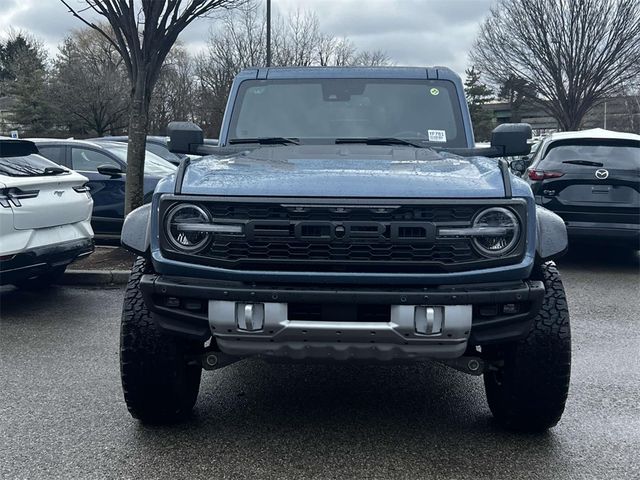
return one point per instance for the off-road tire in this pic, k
(160, 380)
(528, 393)
(42, 281)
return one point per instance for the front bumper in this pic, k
(304, 321)
(40, 260)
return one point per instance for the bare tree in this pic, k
(239, 42)
(301, 32)
(574, 52)
(89, 84)
(345, 53)
(174, 96)
(143, 32)
(326, 47)
(372, 58)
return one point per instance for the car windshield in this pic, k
(153, 164)
(607, 154)
(28, 166)
(323, 110)
(162, 152)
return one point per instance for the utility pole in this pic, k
(268, 33)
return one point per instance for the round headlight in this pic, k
(498, 231)
(181, 225)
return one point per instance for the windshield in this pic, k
(153, 164)
(163, 152)
(27, 166)
(322, 110)
(607, 154)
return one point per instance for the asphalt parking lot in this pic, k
(62, 414)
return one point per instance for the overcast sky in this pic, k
(412, 32)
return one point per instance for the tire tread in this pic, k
(158, 383)
(532, 392)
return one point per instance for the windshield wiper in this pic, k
(54, 171)
(586, 163)
(381, 141)
(267, 141)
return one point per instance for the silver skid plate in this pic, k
(412, 331)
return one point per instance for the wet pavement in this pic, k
(62, 414)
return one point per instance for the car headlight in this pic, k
(496, 231)
(185, 226)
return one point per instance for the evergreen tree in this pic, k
(515, 91)
(23, 76)
(478, 94)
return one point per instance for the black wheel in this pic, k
(528, 392)
(159, 381)
(42, 281)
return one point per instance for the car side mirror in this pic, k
(184, 137)
(511, 139)
(518, 166)
(110, 171)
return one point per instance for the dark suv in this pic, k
(347, 216)
(592, 180)
(155, 144)
(105, 165)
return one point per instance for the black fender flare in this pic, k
(552, 241)
(136, 231)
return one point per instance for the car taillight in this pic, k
(82, 189)
(537, 175)
(9, 196)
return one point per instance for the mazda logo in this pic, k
(601, 174)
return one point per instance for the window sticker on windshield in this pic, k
(434, 91)
(437, 135)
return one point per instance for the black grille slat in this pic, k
(240, 250)
(439, 213)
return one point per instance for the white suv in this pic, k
(45, 214)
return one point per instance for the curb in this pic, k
(95, 277)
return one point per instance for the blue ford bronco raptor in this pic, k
(346, 215)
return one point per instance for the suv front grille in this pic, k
(385, 236)
(300, 256)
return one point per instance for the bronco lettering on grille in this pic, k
(342, 231)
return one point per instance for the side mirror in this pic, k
(184, 137)
(511, 139)
(110, 171)
(518, 166)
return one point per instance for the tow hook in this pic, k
(470, 365)
(214, 360)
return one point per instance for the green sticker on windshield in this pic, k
(435, 91)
